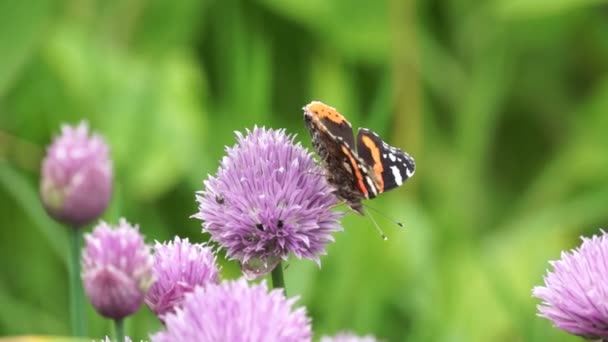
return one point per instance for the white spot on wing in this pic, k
(410, 172)
(392, 157)
(371, 185)
(397, 175)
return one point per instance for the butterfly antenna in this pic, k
(384, 215)
(378, 228)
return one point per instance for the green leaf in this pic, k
(23, 193)
(22, 29)
(540, 8)
(358, 29)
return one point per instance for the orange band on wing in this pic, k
(323, 111)
(378, 168)
(355, 167)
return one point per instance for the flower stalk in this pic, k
(278, 280)
(119, 329)
(76, 294)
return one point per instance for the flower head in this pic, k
(348, 337)
(179, 266)
(575, 295)
(267, 200)
(116, 269)
(76, 180)
(234, 311)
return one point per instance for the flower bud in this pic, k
(179, 266)
(116, 269)
(76, 177)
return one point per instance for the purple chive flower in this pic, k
(76, 180)
(575, 295)
(179, 266)
(348, 337)
(267, 200)
(235, 311)
(116, 269)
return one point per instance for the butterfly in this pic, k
(358, 168)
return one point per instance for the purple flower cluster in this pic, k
(179, 266)
(117, 269)
(268, 200)
(76, 182)
(194, 306)
(575, 295)
(235, 311)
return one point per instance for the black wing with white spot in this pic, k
(391, 166)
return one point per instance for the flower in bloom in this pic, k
(235, 311)
(76, 180)
(348, 337)
(575, 295)
(116, 269)
(267, 200)
(179, 266)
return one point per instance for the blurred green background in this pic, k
(503, 104)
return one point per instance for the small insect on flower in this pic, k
(274, 202)
(358, 169)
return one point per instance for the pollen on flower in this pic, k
(275, 202)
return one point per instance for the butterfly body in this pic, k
(358, 168)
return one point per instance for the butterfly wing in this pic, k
(333, 123)
(333, 140)
(390, 166)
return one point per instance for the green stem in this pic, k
(76, 295)
(277, 278)
(119, 327)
